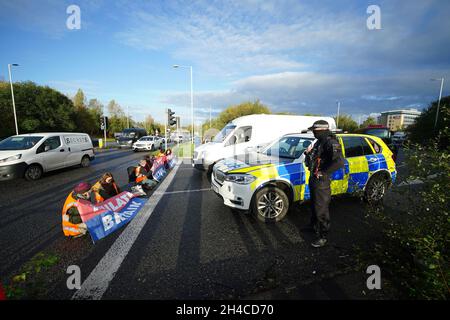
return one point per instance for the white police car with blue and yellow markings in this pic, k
(268, 182)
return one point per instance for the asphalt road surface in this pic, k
(191, 246)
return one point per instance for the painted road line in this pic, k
(98, 281)
(183, 191)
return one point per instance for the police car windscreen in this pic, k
(288, 147)
(19, 143)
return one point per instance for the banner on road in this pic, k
(159, 169)
(110, 215)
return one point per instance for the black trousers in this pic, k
(320, 191)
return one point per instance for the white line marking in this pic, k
(98, 281)
(184, 191)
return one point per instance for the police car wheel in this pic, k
(376, 189)
(270, 204)
(33, 172)
(85, 162)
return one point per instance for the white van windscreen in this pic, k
(224, 133)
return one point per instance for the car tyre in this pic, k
(376, 188)
(33, 172)
(270, 204)
(85, 162)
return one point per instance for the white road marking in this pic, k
(99, 279)
(183, 191)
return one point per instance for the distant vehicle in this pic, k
(399, 138)
(178, 139)
(379, 131)
(130, 136)
(30, 155)
(383, 133)
(269, 182)
(248, 133)
(147, 143)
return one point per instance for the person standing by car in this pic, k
(322, 159)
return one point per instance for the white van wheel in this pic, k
(33, 172)
(85, 162)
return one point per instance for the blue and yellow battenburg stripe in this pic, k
(351, 178)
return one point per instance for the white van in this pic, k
(248, 133)
(30, 155)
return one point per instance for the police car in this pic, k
(268, 182)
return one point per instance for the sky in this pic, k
(294, 56)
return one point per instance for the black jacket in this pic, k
(326, 156)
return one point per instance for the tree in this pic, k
(369, 121)
(117, 117)
(79, 100)
(423, 128)
(38, 108)
(95, 109)
(346, 123)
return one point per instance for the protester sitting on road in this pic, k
(72, 223)
(149, 163)
(161, 152)
(106, 187)
(142, 176)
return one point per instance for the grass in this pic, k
(184, 150)
(30, 281)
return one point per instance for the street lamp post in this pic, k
(128, 118)
(192, 100)
(337, 118)
(439, 101)
(12, 94)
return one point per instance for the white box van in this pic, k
(30, 155)
(247, 133)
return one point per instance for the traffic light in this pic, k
(103, 122)
(170, 117)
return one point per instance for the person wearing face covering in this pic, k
(322, 159)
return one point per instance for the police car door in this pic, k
(356, 166)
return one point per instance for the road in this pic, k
(191, 247)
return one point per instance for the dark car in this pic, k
(130, 136)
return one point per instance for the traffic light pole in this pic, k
(104, 127)
(165, 131)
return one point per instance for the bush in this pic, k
(413, 250)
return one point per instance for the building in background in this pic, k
(397, 120)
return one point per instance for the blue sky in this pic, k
(296, 56)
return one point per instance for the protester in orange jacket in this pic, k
(72, 224)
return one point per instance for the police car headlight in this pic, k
(240, 178)
(12, 158)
